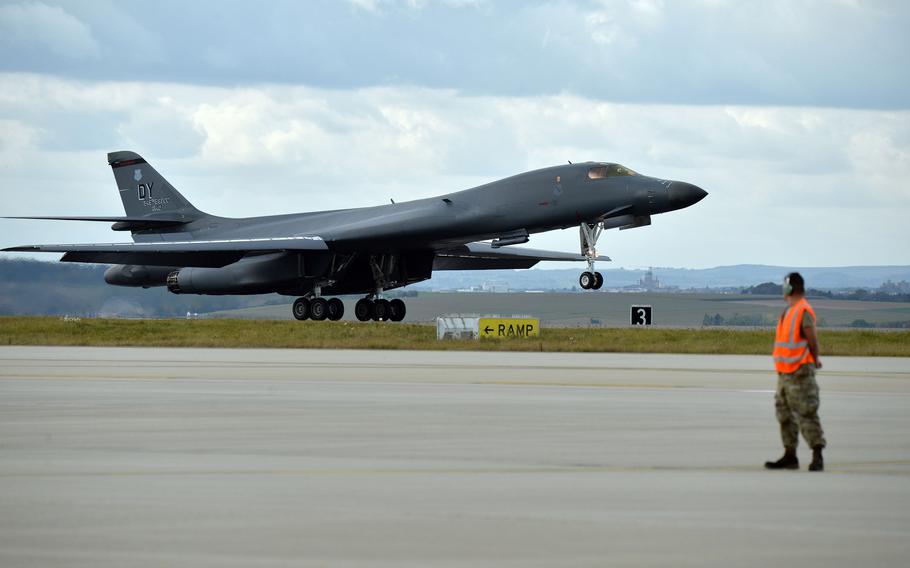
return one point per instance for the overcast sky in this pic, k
(793, 115)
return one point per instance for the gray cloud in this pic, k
(790, 113)
(781, 52)
(46, 31)
(839, 174)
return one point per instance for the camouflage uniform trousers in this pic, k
(796, 405)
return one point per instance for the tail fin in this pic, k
(145, 192)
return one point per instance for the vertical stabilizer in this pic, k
(145, 192)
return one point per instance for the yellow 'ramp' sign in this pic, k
(508, 327)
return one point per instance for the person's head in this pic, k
(794, 285)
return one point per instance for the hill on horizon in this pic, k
(32, 287)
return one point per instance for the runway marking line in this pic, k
(433, 383)
(839, 468)
(425, 366)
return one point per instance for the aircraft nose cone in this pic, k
(682, 194)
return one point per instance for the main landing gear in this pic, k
(588, 234)
(380, 309)
(332, 309)
(374, 306)
(318, 309)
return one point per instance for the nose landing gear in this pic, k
(591, 280)
(588, 235)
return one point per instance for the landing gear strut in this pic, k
(590, 279)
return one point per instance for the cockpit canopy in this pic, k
(610, 170)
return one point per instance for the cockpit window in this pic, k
(613, 170)
(617, 170)
(598, 172)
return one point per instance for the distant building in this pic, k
(497, 286)
(648, 282)
(895, 288)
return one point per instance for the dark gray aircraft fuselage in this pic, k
(534, 201)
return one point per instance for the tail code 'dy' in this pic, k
(145, 192)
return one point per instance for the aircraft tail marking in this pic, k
(145, 192)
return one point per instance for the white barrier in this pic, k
(457, 327)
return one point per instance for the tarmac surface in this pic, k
(151, 457)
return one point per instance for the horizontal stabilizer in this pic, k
(150, 220)
(121, 223)
(212, 253)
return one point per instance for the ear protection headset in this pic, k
(788, 288)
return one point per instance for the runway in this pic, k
(206, 457)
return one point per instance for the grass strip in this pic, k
(348, 335)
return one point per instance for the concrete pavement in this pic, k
(153, 457)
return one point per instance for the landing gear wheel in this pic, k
(381, 310)
(397, 310)
(587, 280)
(363, 309)
(319, 309)
(301, 309)
(598, 281)
(336, 309)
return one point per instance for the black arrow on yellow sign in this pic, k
(508, 327)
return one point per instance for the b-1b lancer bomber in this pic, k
(368, 250)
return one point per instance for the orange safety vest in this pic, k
(791, 349)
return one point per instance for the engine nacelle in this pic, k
(260, 274)
(137, 275)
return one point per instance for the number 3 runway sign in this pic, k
(640, 315)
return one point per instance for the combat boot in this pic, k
(788, 461)
(818, 463)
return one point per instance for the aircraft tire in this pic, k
(301, 309)
(336, 309)
(363, 309)
(381, 310)
(598, 281)
(586, 280)
(319, 309)
(397, 310)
